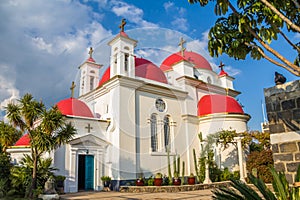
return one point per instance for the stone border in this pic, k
(171, 188)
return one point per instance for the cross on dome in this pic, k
(72, 89)
(182, 48)
(122, 25)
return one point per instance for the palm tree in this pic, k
(47, 129)
(8, 135)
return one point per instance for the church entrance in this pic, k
(86, 172)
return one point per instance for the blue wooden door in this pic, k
(89, 172)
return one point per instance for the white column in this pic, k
(207, 179)
(72, 180)
(238, 140)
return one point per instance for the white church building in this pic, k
(128, 118)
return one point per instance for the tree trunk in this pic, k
(34, 175)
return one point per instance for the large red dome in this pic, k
(211, 104)
(195, 58)
(74, 107)
(23, 141)
(144, 69)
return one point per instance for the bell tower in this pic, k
(122, 54)
(89, 74)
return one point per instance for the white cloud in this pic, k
(43, 42)
(168, 5)
(180, 24)
(131, 13)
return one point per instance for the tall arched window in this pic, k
(167, 132)
(153, 122)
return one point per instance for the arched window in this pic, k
(153, 122)
(126, 62)
(92, 82)
(167, 132)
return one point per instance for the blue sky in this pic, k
(43, 43)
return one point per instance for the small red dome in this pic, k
(90, 59)
(74, 107)
(211, 104)
(122, 33)
(195, 58)
(23, 141)
(144, 69)
(223, 73)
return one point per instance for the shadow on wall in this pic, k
(128, 170)
(232, 160)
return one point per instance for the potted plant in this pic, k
(106, 181)
(176, 179)
(150, 181)
(158, 180)
(59, 183)
(191, 179)
(140, 182)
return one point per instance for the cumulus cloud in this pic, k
(131, 13)
(168, 5)
(180, 23)
(43, 43)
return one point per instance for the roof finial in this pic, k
(91, 52)
(72, 89)
(182, 48)
(221, 66)
(123, 23)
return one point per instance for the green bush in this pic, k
(261, 161)
(150, 181)
(4, 173)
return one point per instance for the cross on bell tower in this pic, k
(122, 25)
(221, 66)
(91, 52)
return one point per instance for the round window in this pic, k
(160, 105)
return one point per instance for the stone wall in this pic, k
(283, 110)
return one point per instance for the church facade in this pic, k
(128, 119)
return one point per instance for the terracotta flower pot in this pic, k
(158, 181)
(176, 181)
(191, 180)
(139, 182)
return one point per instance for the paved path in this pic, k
(195, 195)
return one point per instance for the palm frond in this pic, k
(280, 185)
(245, 190)
(261, 186)
(226, 194)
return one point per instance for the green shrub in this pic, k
(261, 161)
(150, 181)
(4, 173)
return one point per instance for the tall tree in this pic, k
(8, 135)
(248, 27)
(47, 129)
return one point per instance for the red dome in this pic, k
(210, 104)
(91, 60)
(195, 58)
(105, 77)
(74, 107)
(23, 141)
(144, 69)
(223, 73)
